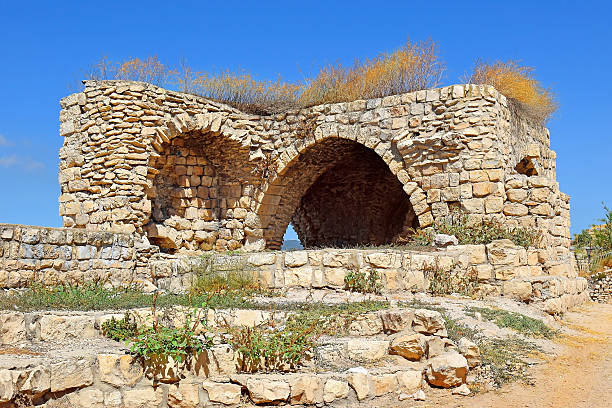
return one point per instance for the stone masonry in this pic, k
(192, 174)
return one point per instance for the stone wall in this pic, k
(50, 255)
(600, 288)
(501, 268)
(193, 174)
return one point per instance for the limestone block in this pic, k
(305, 389)
(37, 380)
(369, 324)
(409, 345)
(335, 276)
(359, 380)
(447, 370)
(384, 384)
(394, 321)
(119, 370)
(300, 277)
(383, 260)
(334, 390)
(296, 258)
(366, 350)
(494, 205)
(516, 210)
(12, 327)
(262, 259)
(470, 351)
(502, 252)
(428, 322)
(58, 328)
(183, 395)
(434, 346)
(87, 398)
(143, 397)
(71, 374)
(409, 381)
(223, 393)
(7, 386)
(266, 391)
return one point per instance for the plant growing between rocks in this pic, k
(362, 282)
(445, 281)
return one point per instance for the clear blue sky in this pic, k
(45, 44)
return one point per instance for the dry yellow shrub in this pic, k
(149, 70)
(517, 83)
(412, 67)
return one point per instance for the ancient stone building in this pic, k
(189, 173)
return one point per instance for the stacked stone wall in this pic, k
(51, 255)
(600, 287)
(189, 173)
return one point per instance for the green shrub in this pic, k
(120, 330)
(362, 282)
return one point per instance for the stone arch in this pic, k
(313, 161)
(197, 174)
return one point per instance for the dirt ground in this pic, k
(580, 377)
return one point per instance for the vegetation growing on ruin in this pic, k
(363, 282)
(446, 281)
(413, 66)
(526, 95)
(480, 232)
(523, 324)
(236, 278)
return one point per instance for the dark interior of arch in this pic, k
(355, 200)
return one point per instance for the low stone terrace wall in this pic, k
(66, 255)
(49, 255)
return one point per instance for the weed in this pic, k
(523, 324)
(526, 94)
(445, 281)
(362, 282)
(231, 279)
(120, 330)
(484, 232)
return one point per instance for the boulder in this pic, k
(395, 321)
(408, 345)
(367, 350)
(366, 325)
(447, 370)
(359, 380)
(470, 351)
(429, 322)
(183, 395)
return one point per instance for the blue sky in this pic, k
(46, 44)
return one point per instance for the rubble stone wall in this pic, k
(51, 255)
(192, 174)
(601, 288)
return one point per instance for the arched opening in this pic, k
(196, 183)
(339, 193)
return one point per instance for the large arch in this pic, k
(338, 191)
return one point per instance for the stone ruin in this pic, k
(192, 174)
(152, 179)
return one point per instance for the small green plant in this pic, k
(445, 281)
(362, 282)
(235, 278)
(523, 324)
(271, 348)
(120, 329)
